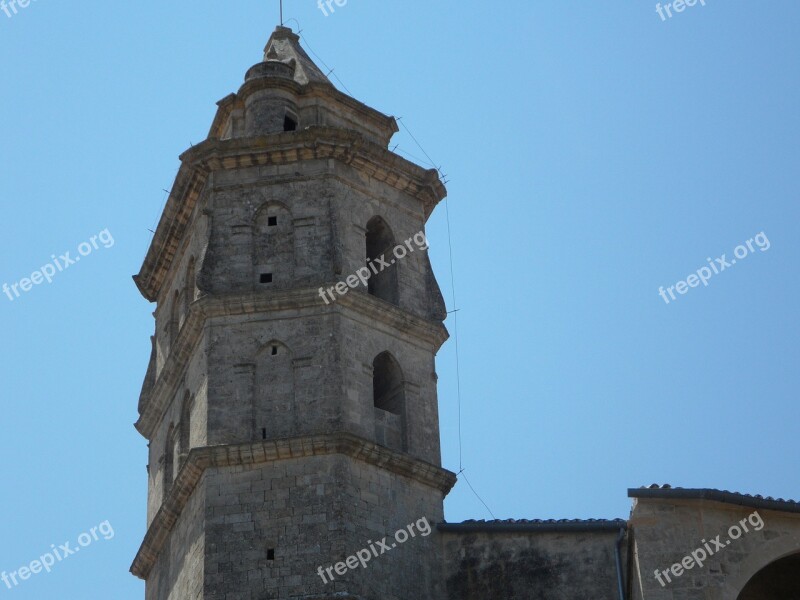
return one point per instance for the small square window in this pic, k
(272, 221)
(266, 278)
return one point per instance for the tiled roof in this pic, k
(540, 525)
(667, 492)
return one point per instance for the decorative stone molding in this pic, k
(263, 452)
(357, 305)
(313, 143)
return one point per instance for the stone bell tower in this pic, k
(291, 422)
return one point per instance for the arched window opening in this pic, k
(777, 581)
(186, 295)
(380, 242)
(175, 317)
(191, 283)
(185, 428)
(183, 309)
(169, 460)
(388, 394)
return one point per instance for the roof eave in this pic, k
(534, 527)
(156, 260)
(714, 496)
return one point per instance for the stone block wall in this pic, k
(311, 513)
(178, 573)
(665, 532)
(530, 565)
(256, 394)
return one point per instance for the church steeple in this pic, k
(284, 46)
(287, 427)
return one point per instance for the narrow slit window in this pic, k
(271, 554)
(274, 351)
(264, 433)
(266, 278)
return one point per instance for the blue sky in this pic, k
(595, 153)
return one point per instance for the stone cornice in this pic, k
(375, 311)
(315, 90)
(186, 190)
(429, 332)
(171, 373)
(324, 91)
(313, 143)
(263, 452)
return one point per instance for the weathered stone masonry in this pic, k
(271, 452)
(285, 432)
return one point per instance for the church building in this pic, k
(290, 402)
